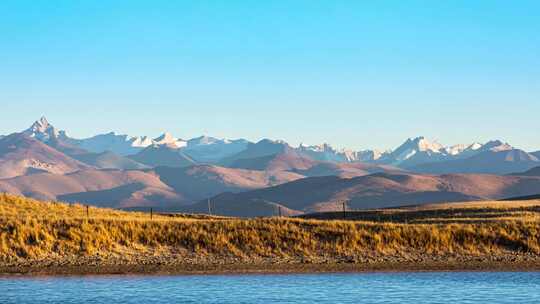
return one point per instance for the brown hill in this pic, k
(162, 187)
(203, 181)
(21, 154)
(375, 191)
(110, 188)
(344, 170)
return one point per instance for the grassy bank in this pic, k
(40, 234)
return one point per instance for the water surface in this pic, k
(418, 288)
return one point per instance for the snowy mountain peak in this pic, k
(496, 146)
(169, 140)
(203, 140)
(462, 148)
(42, 130)
(140, 141)
(318, 148)
(422, 144)
(42, 124)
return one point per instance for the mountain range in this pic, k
(254, 178)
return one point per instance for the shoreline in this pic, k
(267, 268)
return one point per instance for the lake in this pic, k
(424, 287)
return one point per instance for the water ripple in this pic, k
(418, 288)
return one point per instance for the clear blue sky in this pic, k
(357, 74)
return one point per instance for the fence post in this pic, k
(87, 212)
(344, 210)
(151, 213)
(279, 211)
(209, 208)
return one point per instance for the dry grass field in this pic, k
(32, 232)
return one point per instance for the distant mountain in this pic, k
(536, 154)
(43, 131)
(163, 155)
(492, 161)
(325, 152)
(265, 147)
(275, 156)
(419, 153)
(206, 149)
(109, 160)
(463, 150)
(415, 151)
(288, 160)
(46, 133)
(169, 140)
(21, 154)
(120, 144)
(365, 155)
(372, 191)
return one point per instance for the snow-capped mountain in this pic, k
(169, 140)
(495, 146)
(119, 144)
(207, 149)
(461, 149)
(414, 151)
(364, 155)
(326, 152)
(43, 131)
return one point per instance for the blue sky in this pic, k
(356, 74)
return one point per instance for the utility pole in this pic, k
(209, 208)
(151, 213)
(87, 212)
(344, 210)
(279, 211)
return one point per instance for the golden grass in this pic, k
(36, 230)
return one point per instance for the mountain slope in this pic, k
(376, 191)
(162, 187)
(203, 181)
(261, 149)
(532, 172)
(111, 188)
(344, 170)
(109, 160)
(21, 154)
(162, 155)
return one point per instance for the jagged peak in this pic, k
(497, 145)
(166, 136)
(420, 143)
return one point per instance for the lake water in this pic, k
(444, 287)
